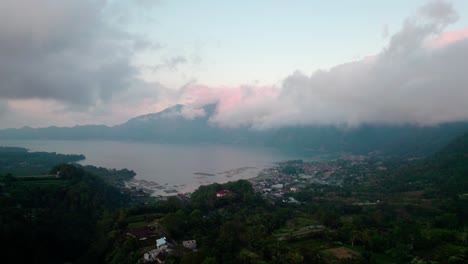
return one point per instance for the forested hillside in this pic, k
(21, 162)
(408, 213)
(383, 210)
(52, 220)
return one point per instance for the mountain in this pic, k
(176, 125)
(396, 139)
(170, 125)
(58, 133)
(449, 167)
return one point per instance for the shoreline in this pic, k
(156, 189)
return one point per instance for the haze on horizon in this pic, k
(267, 64)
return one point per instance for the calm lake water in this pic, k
(177, 167)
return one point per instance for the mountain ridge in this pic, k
(171, 126)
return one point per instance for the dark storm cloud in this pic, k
(62, 50)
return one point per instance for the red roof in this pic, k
(223, 193)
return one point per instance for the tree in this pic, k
(209, 260)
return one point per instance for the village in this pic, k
(155, 241)
(288, 177)
(274, 184)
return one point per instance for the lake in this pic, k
(174, 167)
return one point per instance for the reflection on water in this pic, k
(166, 167)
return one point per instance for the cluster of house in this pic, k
(164, 245)
(273, 183)
(163, 249)
(158, 254)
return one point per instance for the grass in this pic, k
(301, 222)
(318, 246)
(137, 221)
(379, 258)
(143, 217)
(308, 244)
(137, 225)
(296, 228)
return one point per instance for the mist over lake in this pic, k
(178, 167)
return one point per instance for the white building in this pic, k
(161, 243)
(277, 186)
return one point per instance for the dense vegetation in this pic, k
(21, 162)
(52, 220)
(411, 213)
(114, 177)
(416, 211)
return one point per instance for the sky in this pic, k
(267, 64)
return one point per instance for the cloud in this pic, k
(191, 113)
(65, 62)
(170, 63)
(187, 112)
(147, 3)
(448, 37)
(385, 31)
(232, 102)
(438, 12)
(63, 51)
(407, 82)
(36, 112)
(430, 20)
(3, 108)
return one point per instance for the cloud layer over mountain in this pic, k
(419, 78)
(70, 62)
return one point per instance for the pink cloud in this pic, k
(370, 59)
(234, 103)
(40, 113)
(227, 98)
(449, 37)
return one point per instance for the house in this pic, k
(223, 193)
(155, 255)
(277, 186)
(150, 256)
(292, 200)
(161, 243)
(161, 256)
(190, 244)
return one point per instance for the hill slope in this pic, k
(449, 167)
(174, 126)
